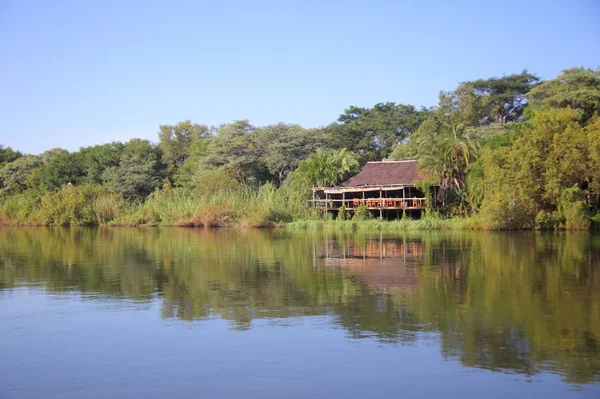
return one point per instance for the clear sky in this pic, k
(76, 73)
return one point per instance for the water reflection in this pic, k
(518, 302)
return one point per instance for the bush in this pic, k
(342, 214)
(361, 213)
(70, 205)
(20, 208)
(500, 212)
(573, 207)
(547, 220)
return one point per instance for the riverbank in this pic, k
(347, 225)
(377, 224)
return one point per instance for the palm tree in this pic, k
(448, 156)
(326, 168)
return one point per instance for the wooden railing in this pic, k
(372, 203)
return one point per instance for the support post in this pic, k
(380, 204)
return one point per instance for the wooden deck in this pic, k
(373, 203)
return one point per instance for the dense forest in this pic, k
(508, 152)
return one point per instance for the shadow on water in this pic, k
(514, 302)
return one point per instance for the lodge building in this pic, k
(386, 188)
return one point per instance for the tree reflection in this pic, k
(518, 302)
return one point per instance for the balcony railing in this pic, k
(371, 203)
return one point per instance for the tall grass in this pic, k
(20, 208)
(266, 206)
(241, 206)
(378, 224)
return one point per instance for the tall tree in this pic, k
(503, 99)
(538, 177)
(326, 168)
(19, 175)
(139, 170)
(7, 155)
(235, 148)
(61, 167)
(577, 88)
(176, 141)
(485, 101)
(372, 132)
(283, 146)
(98, 158)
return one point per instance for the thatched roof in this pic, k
(386, 173)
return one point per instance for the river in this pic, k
(233, 313)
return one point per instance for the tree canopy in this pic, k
(513, 150)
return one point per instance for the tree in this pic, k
(61, 167)
(372, 132)
(486, 101)
(503, 99)
(235, 148)
(283, 146)
(176, 141)
(96, 159)
(7, 155)
(18, 175)
(139, 170)
(593, 165)
(326, 168)
(525, 182)
(577, 88)
(447, 159)
(194, 164)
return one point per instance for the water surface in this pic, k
(109, 312)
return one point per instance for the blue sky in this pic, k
(76, 73)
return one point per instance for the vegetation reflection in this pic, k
(518, 303)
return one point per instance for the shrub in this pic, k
(547, 220)
(573, 207)
(70, 205)
(361, 213)
(500, 212)
(342, 215)
(20, 208)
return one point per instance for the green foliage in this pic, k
(214, 181)
(96, 159)
(235, 147)
(576, 88)
(404, 224)
(361, 213)
(138, 173)
(495, 160)
(61, 167)
(342, 213)
(573, 209)
(19, 175)
(425, 187)
(547, 220)
(78, 205)
(495, 100)
(474, 187)
(20, 208)
(373, 132)
(283, 146)
(531, 175)
(447, 157)
(326, 168)
(7, 155)
(593, 149)
(176, 141)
